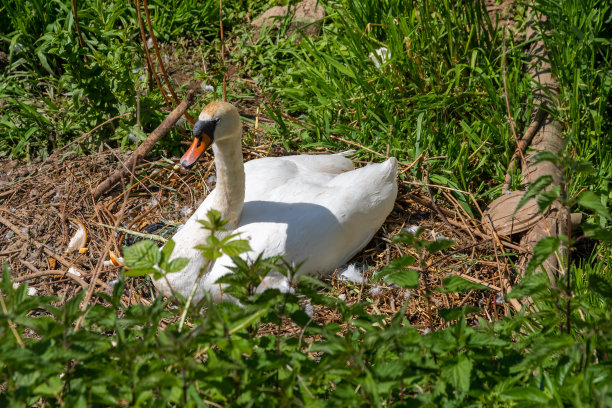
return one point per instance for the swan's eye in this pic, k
(205, 126)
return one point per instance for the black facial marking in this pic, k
(205, 126)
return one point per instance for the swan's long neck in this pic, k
(228, 200)
(229, 197)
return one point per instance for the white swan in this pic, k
(315, 209)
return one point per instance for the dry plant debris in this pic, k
(44, 204)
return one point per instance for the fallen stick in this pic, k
(146, 146)
(39, 274)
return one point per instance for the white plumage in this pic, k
(315, 209)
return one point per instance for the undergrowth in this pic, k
(437, 96)
(121, 356)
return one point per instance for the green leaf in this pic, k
(542, 250)
(545, 199)
(166, 252)
(50, 388)
(45, 63)
(455, 313)
(213, 241)
(592, 201)
(214, 223)
(141, 272)
(176, 265)
(236, 247)
(397, 272)
(438, 245)
(534, 189)
(208, 252)
(397, 264)
(406, 279)
(531, 394)
(535, 284)
(458, 375)
(484, 339)
(454, 283)
(545, 156)
(597, 232)
(141, 255)
(541, 352)
(601, 286)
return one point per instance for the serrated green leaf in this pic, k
(396, 265)
(438, 245)
(458, 375)
(541, 251)
(486, 339)
(50, 388)
(213, 241)
(531, 285)
(534, 189)
(141, 255)
(454, 283)
(592, 201)
(177, 265)
(531, 394)
(236, 247)
(597, 232)
(545, 156)
(541, 352)
(208, 252)
(407, 279)
(545, 199)
(166, 252)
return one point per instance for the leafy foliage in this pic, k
(121, 356)
(439, 92)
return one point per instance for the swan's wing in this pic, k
(324, 224)
(322, 163)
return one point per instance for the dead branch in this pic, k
(146, 146)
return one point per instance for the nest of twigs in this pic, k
(41, 206)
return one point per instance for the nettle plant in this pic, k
(239, 355)
(597, 227)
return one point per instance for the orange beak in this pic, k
(199, 145)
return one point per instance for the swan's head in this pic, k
(218, 122)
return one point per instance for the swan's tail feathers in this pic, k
(390, 166)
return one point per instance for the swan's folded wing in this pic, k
(322, 163)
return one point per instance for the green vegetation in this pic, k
(121, 357)
(440, 93)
